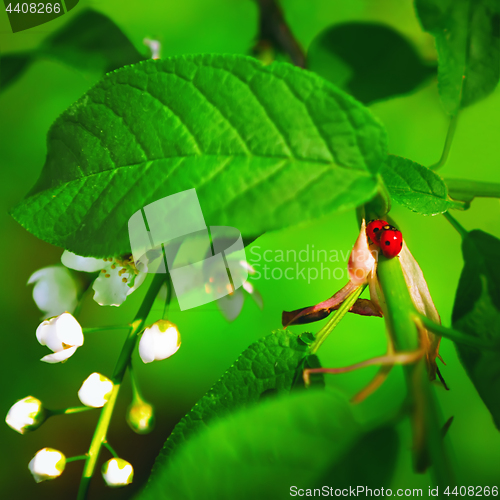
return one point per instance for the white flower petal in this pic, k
(95, 390)
(139, 280)
(59, 356)
(60, 332)
(117, 472)
(47, 464)
(69, 330)
(160, 341)
(55, 290)
(23, 414)
(147, 348)
(79, 263)
(110, 287)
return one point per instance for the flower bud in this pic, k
(141, 417)
(159, 341)
(61, 334)
(362, 263)
(95, 390)
(26, 415)
(47, 464)
(117, 472)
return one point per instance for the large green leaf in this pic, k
(306, 440)
(264, 146)
(267, 367)
(90, 42)
(467, 34)
(477, 312)
(369, 61)
(416, 187)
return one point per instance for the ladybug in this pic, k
(373, 230)
(390, 241)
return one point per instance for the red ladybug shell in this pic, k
(390, 241)
(373, 230)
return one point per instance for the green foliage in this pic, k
(102, 48)
(416, 187)
(467, 34)
(302, 440)
(244, 135)
(369, 61)
(477, 312)
(268, 366)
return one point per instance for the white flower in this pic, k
(26, 415)
(95, 390)
(47, 464)
(118, 278)
(231, 304)
(56, 290)
(159, 341)
(154, 46)
(62, 334)
(117, 472)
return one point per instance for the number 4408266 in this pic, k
(33, 8)
(473, 491)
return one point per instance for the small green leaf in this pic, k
(307, 337)
(416, 187)
(90, 42)
(467, 34)
(270, 365)
(304, 440)
(369, 61)
(477, 312)
(265, 147)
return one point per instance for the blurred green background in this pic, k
(416, 126)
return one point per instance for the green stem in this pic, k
(335, 319)
(428, 442)
(136, 392)
(447, 143)
(69, 411)
(74, 459)
(110, 449)
(168, 296)
(466, 190)
(121, 367)
(460, 229)
(455, 335)
(104, 328)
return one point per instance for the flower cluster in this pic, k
(57, 292)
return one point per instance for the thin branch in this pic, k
(455, 335)
(456, 225)
(274, 33)
(467, 190)
(447, 143)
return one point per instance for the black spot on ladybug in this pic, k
(376, 229)
(387, 243)
(401, 244)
